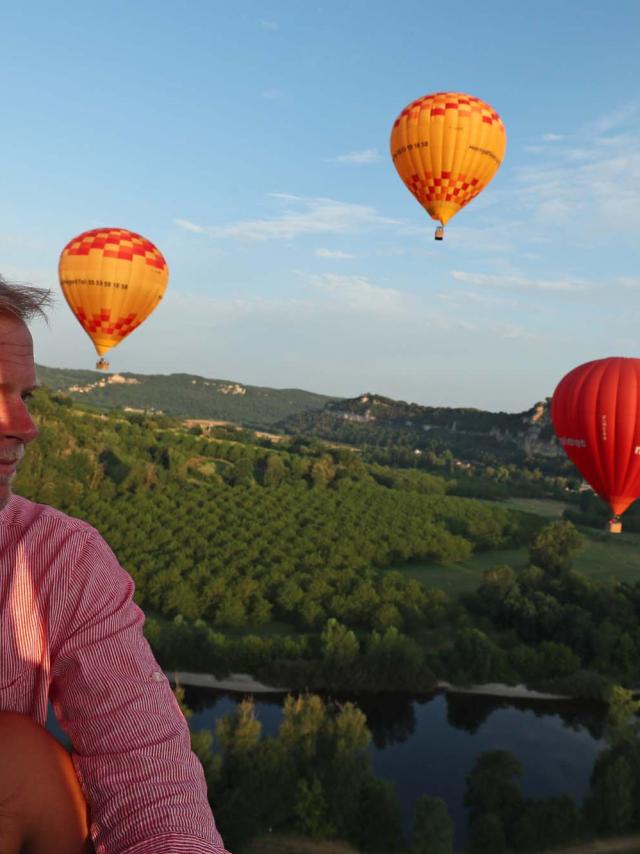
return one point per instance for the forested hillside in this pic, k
(182, 395)
(231, 535)
(275, 558)
(292, 560)
(472, 435)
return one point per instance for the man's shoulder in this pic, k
(22, 513)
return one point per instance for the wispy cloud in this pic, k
(359, 158)
(299, 216)
(552, 137)
(273, 94)
(190, 226)
(629, 282)
(360, 294)
(591, 178)
(336, 254)
(512, 281)
(268, 25)
(463, 298)
(615, 118)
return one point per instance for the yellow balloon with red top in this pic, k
(446, 148)
(112, 279)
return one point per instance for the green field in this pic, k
(540, 506)
(603, 557)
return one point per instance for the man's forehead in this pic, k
(13, 330)
(16, 344)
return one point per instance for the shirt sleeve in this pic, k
(145, 788)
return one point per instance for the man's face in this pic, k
(17, 381)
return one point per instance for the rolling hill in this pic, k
(182, 395)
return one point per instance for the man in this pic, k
(70, 632)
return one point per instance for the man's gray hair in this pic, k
(24, 301)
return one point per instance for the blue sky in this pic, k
(249, 141)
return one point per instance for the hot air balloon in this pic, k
(596, 416)
(446, 148)
(112, 279)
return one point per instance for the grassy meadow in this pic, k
(602, 557)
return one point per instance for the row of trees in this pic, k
(554, 623)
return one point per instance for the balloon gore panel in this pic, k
(596, 415)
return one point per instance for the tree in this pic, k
(433, 829)
(555, 547)
(393, 660)
(376, 826)
(340, 649)
(311, 809)
(239, 732)
(623, 726)
(476, 657)
(610, 805)
(275, 470)
(486, 835)
(545, 824)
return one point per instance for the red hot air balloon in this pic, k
(596, 416)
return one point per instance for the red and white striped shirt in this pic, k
(70, 631)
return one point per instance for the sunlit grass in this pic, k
(603, 557)
(540, 506)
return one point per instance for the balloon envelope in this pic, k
(596, 414)
(112, 279)
(446, 148)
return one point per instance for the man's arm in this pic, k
(131, 748)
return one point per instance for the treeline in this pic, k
(550, 625)
(335, 659)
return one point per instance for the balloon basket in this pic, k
(439, 235)
(102, 365)
(615, 526)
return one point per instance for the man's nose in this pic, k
(17, 423)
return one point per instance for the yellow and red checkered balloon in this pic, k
(112, 279)
(446, 148)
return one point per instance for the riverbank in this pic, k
(244, 683)
(238, 683)
(497, 689)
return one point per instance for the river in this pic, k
(429, 744)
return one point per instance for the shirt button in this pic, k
(157, 676)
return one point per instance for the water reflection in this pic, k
(429, 744)
(470, 711)
(391, 719)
